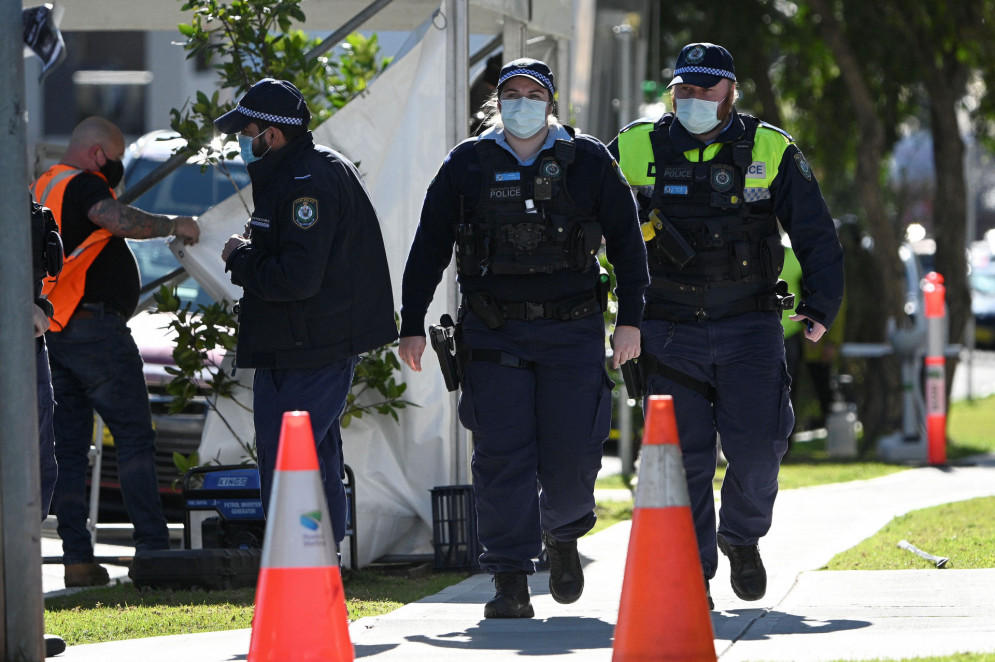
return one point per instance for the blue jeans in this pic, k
(322, 393)
(96, 366)
(742, 357)
(538, 434)
(49, 469)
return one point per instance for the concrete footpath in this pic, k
(807, 614)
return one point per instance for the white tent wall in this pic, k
(395, 131)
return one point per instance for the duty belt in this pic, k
(567, 309)
(761, 302)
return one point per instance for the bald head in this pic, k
(93, 141)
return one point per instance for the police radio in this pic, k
(48, 250)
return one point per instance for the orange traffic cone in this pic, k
(300, 604)
(663, 614)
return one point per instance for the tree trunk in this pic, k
(876, 401)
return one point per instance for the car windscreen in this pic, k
(187, 191)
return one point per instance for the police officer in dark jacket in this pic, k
(46, 249)
(47, 255)
(526, 205)
(314, 272)
(713, 184)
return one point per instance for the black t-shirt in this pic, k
(113, 277)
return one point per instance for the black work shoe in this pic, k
(86, 574)
(566, 576)
(54, 645)
(749, 578)
(512, 597)
(708, 594)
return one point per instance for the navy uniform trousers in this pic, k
(322, 393)
(742, 357)
(538, 427)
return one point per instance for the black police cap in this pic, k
(271, 101)
(525, 66)
(703, 65)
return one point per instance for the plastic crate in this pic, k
(454, 528)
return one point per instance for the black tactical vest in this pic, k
(737, 253)
(525, 221)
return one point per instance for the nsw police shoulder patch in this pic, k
(803, 167)
(550, 168)
(722, 177)
(305, 212)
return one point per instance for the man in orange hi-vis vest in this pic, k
(94, 359)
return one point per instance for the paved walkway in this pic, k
(807, 615)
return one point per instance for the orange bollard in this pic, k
(934, 293)
(300, 603)
(663, 613)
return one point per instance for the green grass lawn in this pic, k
(961, 531)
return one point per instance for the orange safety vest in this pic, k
(66, 290)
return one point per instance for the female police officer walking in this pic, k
(526, 205)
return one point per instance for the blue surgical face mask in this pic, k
(245, 147)
(697, 115)
(522, 117)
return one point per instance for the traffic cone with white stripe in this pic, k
(300, 603)
(663, 613)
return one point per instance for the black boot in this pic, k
(566, 576)
(748, 577)
(511, 599)
(54, 645)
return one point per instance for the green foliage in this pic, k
(375, 375)
(202, 338)
(247, 40)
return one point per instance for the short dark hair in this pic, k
(289, 131)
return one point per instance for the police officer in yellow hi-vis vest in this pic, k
(712, 186)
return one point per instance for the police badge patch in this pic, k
(550, 168)
(695, 55)
(305, 212)
(803, 166)
(722, 177)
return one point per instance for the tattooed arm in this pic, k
(133, 223)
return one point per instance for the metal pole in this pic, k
(20, 510)
(457, 126)
(972, 177)
(333, 40)
(514, 37)
(624, 36)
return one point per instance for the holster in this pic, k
(443, 338)
(634, 379)
(633, 376)
(486, 308)
(674, 246)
